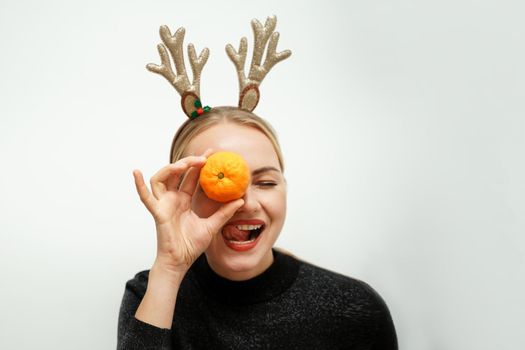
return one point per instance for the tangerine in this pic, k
(225, 176)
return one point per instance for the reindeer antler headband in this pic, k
(248, 86)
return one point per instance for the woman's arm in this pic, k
(147, 310)
(133, 333)
(158, 305)
(146, 314)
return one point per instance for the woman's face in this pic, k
(264, 200)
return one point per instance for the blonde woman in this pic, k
(217, 282)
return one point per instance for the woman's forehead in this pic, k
(247, 141)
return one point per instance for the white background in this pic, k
(403, 133)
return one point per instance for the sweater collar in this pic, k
(272, 282)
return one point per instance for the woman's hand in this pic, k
(181, 234)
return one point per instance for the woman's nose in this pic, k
(251, 204)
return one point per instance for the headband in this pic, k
(248, 85)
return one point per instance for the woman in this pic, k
(217, 282)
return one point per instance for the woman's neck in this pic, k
(278, 277)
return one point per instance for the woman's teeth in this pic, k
(242, 242)
(248, 227)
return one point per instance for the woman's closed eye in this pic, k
(266, 183)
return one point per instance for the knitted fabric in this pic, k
(292, 305)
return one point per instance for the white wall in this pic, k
(401, 122)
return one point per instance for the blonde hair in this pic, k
(191, 127)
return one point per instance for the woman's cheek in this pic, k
(276, 201)
(283, 201)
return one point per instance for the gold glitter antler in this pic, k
(249, 91)
(190, 93)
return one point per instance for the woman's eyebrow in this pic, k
(264, 169)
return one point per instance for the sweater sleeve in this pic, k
(133, 333)
(385, 337)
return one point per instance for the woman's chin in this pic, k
(235, 265)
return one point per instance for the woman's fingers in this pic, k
(191, 178)
(225, 212)
(190, 181)
(208, 152)
(145, 195)
(161, 178)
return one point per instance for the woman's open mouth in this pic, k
(242, 237)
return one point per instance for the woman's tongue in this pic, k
(232, 233)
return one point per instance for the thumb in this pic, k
(225, 212)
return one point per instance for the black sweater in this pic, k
(292, 305)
